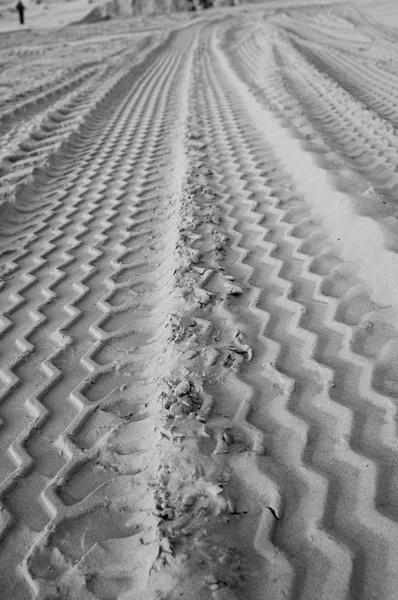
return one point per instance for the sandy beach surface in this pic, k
(199, 302)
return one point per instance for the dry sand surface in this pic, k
(199, 306)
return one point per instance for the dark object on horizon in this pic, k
(21, 9)
(195, 4)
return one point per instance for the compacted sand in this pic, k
(199, 307)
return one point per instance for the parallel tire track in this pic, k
(189, 403)
(48, 121)
(324, 391)
(74, 261)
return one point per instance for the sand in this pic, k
(199, 303)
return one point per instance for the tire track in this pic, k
(194, 401)
(307, 490)
(83, 269)
(310, 100)
(371, 147)
(349, 173)
(119, 416)
(78, 151)
(28, 108)
(369, 83)
(365, 447)
(29, 146)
